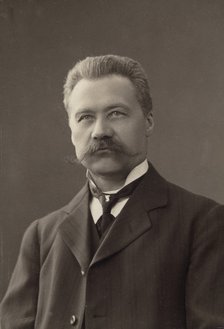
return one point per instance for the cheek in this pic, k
(77, 139)
(133, 135)
(80, 140)
(76, 133)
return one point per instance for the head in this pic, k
(110, 113)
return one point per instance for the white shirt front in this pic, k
(95, 205)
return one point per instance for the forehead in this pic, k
(102, 91)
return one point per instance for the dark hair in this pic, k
(96, 67)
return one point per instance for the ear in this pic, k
(149, 123)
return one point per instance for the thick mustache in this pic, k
(104, 144)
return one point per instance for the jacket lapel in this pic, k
(134, 220)
(75, 229)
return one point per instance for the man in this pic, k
(131, 250)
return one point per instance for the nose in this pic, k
(101, 129)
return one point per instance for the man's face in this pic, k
(109, 129)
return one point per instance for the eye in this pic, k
(85, 117)
(116, 114)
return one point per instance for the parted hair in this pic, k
(97, 67)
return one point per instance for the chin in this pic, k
(106, 166)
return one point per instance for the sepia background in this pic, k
(181, 46)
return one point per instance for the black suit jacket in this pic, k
(161, 266)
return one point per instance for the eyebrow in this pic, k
(112, 106)
(107, 108)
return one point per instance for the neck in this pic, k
(109, 183)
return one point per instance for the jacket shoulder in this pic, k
(46, 228)
(188, 202)
(177, 196)
(54, 219)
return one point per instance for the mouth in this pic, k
(104, 150)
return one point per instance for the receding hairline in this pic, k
(109, 75)
(98, 67)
